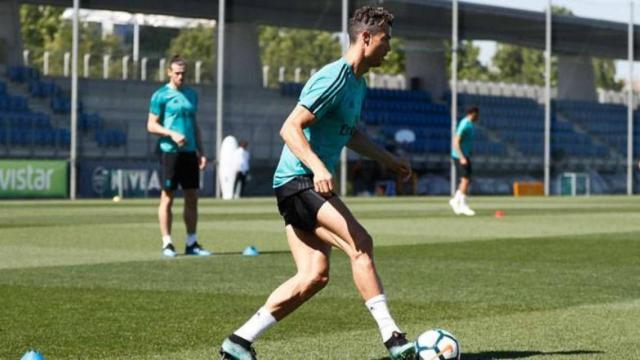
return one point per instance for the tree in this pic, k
(517, 64)
(196, 44)
(292, 48)
(90, 42)
(604, 71)
(469, 65)
(43, 30)
(526, 66)
(39, 25)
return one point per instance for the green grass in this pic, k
(555, 278)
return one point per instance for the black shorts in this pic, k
(299, 203)
(463, 170)
(179, 168)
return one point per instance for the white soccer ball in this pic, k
(437, 344)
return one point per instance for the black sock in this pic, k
(240, 341)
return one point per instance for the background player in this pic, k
(461, 154)
(172, 115)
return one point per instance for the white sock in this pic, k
(166, 240)
(459, 196)
(252, 329)
(377, 305)
(191, 239)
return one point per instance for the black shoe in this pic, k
(169, 251)
(237, 348)
(196, 250)
(400, 348)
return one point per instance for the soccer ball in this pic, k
(437, 344)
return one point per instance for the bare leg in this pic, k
(311, 256)
(190, 213)
(340, 228)
(165, 215)
(464, 185)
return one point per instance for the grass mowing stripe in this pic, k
(554, 279)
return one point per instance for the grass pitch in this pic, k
(555, 278)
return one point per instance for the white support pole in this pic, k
(136, 43)
(74, 102)
(630, 104)
(86, 63)
(198, 71)
(547, 102)
(265, 76)
(67, 64)
(25, 57)
(120, 176)
(125, 67)
(454, 89)
(296, 75)
(45, 63)
(219, 90)
(345, 46)
(106, 60)
(161, 69)
(281, 74)
(143, 69)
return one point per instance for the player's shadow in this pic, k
(515, 354)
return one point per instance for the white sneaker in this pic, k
(466, 210)
(455, 206)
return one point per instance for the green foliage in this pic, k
(91, 42)
(517, 64)
(39, 26)
(195, 44)
(43, 30)
(312, 49)
(604, 71)
(469, 66)
(292, 48)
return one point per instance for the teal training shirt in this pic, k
(177, 111)
(334, 95)
(467, 134)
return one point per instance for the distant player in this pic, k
(323, 122)
(461, 153)
(172, 115)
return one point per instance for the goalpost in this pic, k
(575, 184)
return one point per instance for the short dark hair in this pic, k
(473, 110)
(178, 60)
(368, 18)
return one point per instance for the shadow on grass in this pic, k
(232, 253)
(515, 354)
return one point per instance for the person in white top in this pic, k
(242, 158)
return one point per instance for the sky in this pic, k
(612, 10)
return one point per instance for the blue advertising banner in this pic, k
(106, 178)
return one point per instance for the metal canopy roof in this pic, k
(414, 19)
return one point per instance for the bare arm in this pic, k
(363, 145)
(291, 133)
(154, 127)
(458, 149)
(202, 159)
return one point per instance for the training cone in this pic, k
(32, 355)
(250, 251)
(499, 214)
